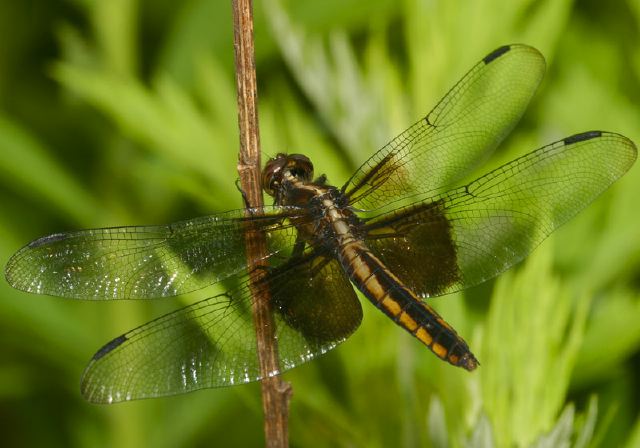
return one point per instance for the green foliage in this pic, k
(544, 329)
(123, 112)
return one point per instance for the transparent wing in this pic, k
(212, 343)
(146, 261)
(458, 134)
(471, 234)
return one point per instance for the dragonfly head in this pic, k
(285, 167)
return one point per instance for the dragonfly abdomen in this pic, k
(403, 306)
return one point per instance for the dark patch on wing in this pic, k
(495, 54)
(318, 300)
(582, 137)
(417, 245)
(48, 240)
(379, 171)
(110, 346)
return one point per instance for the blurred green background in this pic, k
(123, 112)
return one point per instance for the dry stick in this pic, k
(275, 392)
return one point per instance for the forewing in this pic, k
(212, 343)
(458, 134)
(473, 233)
(147, 261)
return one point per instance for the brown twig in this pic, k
(275, 392)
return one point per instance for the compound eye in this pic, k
(271, 174)
(271, 188)
(301, 167)
(268, 185)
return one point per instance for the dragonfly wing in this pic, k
(471, 234)
(147, 261)
(457, 135)
(212, 343)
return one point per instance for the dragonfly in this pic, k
(404, 228)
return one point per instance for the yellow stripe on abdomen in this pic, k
(389, 294)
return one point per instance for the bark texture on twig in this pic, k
(275, 392)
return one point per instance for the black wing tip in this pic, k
(582, 137)
(109, 346)
(501, 51)
(47, 240)
(495, 54)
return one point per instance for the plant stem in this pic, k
(275, 392)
